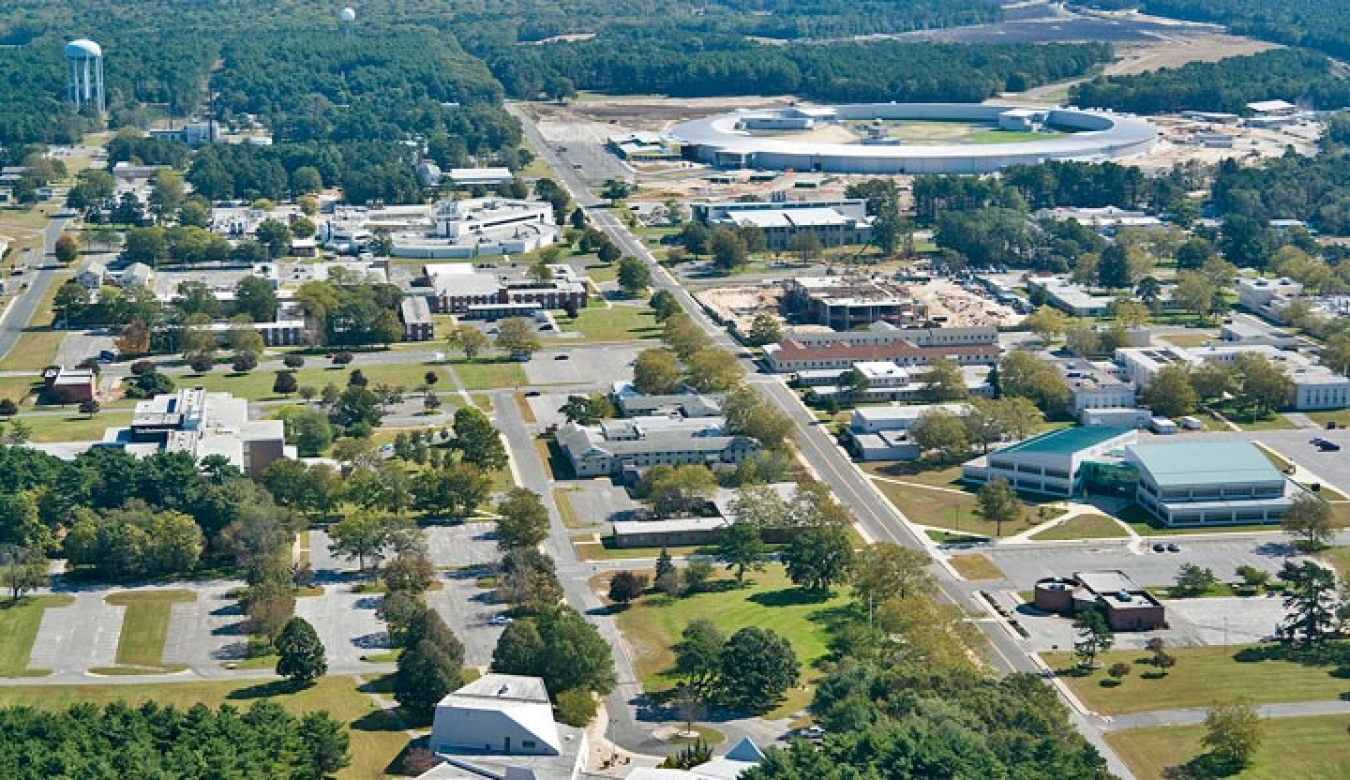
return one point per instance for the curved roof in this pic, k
(83, 48)
(1098, 133)
(348, 14)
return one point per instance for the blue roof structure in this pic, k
(1065, 441)
(1205, 463)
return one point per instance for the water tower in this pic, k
(84, 79)
(348, 17)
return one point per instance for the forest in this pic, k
(661, 61)
(1321, 26)
(152, 741)
(1227, 85)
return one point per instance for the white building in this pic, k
(200, 423)
(883, 333)
(882, 432)
(1267, 297)
(1071, 298)
(834, 223)
(643, 442)
(1209, 483)
(497, 713)
(740, 758)
(1315, 386)
(1095, 386)
(1049, 462)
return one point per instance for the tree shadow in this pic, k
(790, 597)
(263, 690)
(376, 720)
(1206, 766)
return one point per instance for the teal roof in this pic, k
(1066, 441)
(1205, 463)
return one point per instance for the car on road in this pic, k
(500, 620)
(106, 356)
(562, 357)
(1159, 547)
(1325, 446)
(1173, 547)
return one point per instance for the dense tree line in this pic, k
(1227, 85)
(117, 740)
(1320, 26)
(657, 60)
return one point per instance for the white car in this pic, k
(499, 620)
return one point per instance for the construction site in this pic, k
(850, 301)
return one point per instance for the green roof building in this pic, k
(1050, 462)
(1209, 483)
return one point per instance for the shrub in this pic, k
(576, 707)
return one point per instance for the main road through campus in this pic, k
(879, 519)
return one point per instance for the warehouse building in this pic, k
(833, 223)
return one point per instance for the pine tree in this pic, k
(301, 653)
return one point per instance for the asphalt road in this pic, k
(20, 312)
(879, 520)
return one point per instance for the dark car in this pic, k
(1159, 547)
(1173, 547)
(1329, 446)
(107, 356)
(562, 357)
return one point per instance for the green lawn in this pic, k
(918, 471)
(1339, 558)
(73, 426)
(1306, 748)
(652, 625)
(376, 739)
(616, 323)
(1190, 340)
(947, 537)
(37, 347)
(19, 623)
(256, 385)
(1339, 416)
(945, 509)
(16, 388)
(146, 625)
(975, 567)
(490, 373)
(1083, 527)
(1204, 676)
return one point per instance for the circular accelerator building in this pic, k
(886, 138)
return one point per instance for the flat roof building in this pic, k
(1071, 298)
(1050, 462)
(833, 223)
(1125, 605)
(1209, 483)
(644, 442)
(790, 356)
(846, 302)
(881, 333)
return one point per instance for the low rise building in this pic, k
(744, 756)
(640, 443)
(790, 356)
(833, 223)
(480, 177)
(417, 322)
(644, 147)
(883, 333)
(1267, 297)
(1095, 385)
(878, 433)
(1209, 483)
(1050, 462)
(1125, 605)
(194, 421)
(69, 385)
(634, 404)
(1071, 298)
(460, 288)
(501, 726)
(1315, 386)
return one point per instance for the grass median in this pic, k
(145, 628)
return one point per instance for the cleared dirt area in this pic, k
(1173, 52)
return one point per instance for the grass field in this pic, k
(19, 623)
(1339, 558)
(257, 385)
(1083, 527)
(1012, 137)
(616, 323)
(975, 567)
(1340, 416)
(375, 737)
(73, 426)
(489, 374)
(146, 625)
(1305, 748)
(37, 347)
(16, 388)
(1204, 676)
(652, 625)
(945, 509)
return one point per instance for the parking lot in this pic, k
(470, 544)
(583, 365)
(600, 501)
(1024, 565)
(468, 610)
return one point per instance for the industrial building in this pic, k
(194, 421)
(1209, 483)
(730, 140)
(833, 223)
(886, 381)
(448, 229)
(881, 333)
(1071, 298)
(68, 385)
(882, 432)
(1050, 462)
(644, 147)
